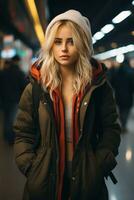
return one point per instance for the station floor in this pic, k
(12, 181)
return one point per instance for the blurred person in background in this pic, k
(78, 132)
(12, 83)
(1, 68)
(131, 71)
(121, 76)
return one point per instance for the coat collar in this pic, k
(98, 70)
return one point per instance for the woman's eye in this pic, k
(57, 42)
(71, 42)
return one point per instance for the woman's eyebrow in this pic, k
(70, 38)
(58, 38)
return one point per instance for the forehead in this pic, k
(64, 31)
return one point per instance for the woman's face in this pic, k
(64, 50)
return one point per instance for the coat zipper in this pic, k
(54, 171)
(81, 128)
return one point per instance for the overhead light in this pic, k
(120, 58)
(121, 16)
(107, 28)
(115, 52)
(98, 35)
(128, 155)
(133, 3)
(93, 40)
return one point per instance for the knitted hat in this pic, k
(76, 17)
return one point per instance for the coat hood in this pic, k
(35, 71)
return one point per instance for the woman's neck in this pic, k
(67, 74)
(67, 83)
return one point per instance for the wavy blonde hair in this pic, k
(50, 73)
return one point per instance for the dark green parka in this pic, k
(94, 156)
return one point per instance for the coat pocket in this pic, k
(88, 176)
(39, 176)
(106, 160)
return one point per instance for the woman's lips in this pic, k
(64, 56)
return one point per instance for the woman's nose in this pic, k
(64, 47)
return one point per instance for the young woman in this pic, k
(79, 133)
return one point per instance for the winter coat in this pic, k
(94, 155)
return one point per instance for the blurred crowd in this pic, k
(12, 82)
(121, 77)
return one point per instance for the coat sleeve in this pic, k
(24, 132)
(108, 145)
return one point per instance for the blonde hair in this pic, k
(50, 73)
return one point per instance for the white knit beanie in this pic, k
(76, 17)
